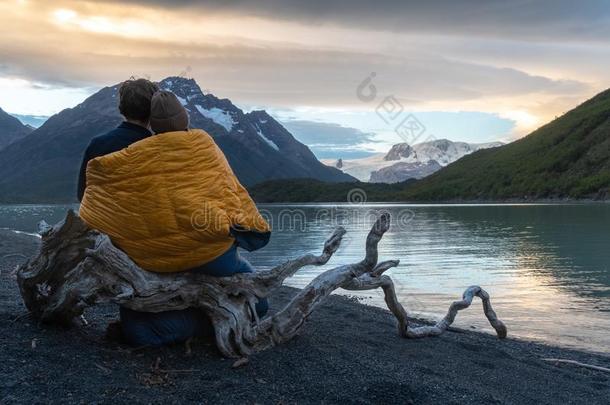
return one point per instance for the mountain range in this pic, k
(42, 166)
(403, 162)
(11, 129)
(568, 158)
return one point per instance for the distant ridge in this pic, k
(11, 129)
(34, 121)
(403, 161)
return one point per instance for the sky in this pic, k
(346, 77)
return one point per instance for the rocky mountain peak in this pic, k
(398, 151)
(442, 144)
(402, 171)
(180, 85)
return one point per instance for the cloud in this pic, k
(275, 75)
(545, 20)
(469, 55)
(329, 140)
(24, 97)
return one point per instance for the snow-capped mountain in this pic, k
(11, 129)
(43, 166)
(256, 145)
(445, 151)
(399, 151)
(404, 161)
(402, 171)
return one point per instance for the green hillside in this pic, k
(310, 190)
(569, 157)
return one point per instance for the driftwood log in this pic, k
(77, 267)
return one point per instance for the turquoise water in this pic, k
(547, 267)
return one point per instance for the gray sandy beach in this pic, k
(347, 353)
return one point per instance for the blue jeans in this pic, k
(162, 328)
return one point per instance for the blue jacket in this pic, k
(115, 140)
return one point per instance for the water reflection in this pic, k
(546, 266)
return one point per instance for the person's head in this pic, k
(167, 113)
(134, 100)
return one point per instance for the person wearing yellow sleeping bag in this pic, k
(172, 203)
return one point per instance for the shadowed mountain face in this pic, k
(398, 151)
(402, 171)
(43, 166)
(569, 157)
(11, 129)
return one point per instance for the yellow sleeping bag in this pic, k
(168, 201)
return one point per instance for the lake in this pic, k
(547, 267)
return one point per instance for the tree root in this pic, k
(376, 279)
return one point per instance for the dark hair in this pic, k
(134, 98)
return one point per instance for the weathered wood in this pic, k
(78, 267)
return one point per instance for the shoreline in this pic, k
(347, 352)
(489, 332)
(507, 201)
(440, 204)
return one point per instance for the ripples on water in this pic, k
(545, 266)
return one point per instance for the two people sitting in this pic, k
(169, 199)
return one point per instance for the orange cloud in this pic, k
(287, 62)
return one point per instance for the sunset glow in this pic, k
(287, 59)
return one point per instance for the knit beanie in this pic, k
(167, 113)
